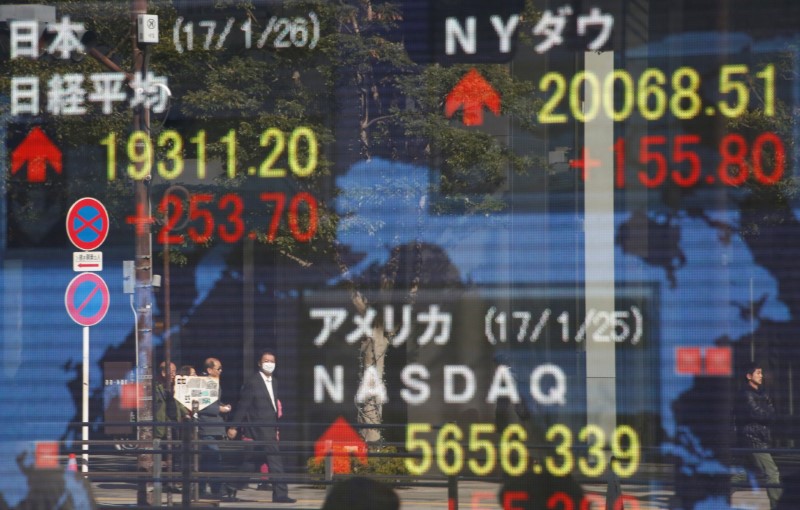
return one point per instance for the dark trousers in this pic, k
(269, 453)
(272, 456)
(211, 461)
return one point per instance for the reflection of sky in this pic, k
(384, 204)
(535, 248)
(33, 376)
(46, 340)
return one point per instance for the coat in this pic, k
(754, 414)
(255, 406)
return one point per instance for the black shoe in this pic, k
(264, 486)
(230, 493)
(284, 499)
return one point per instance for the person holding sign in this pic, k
(211, 427)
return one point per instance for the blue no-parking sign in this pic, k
(87, 224)
(87, 299)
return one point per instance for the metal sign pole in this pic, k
(85, 411)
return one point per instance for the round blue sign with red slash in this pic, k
(87, 299)
(87, 224)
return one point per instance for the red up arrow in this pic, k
(37, 150)
(340, 440)
(473, 92)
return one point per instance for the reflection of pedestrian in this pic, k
(754, 415)
(211, 427)
(360, 493)
(187, 370)
(260, 406)
(166, 409)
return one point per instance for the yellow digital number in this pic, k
(111, 155)
(624, 78)
(140, 154)
(200, 141)
(267, 137)
(312, 150)
(174, 143)
(650, 90)
(547, 115)
(563, 450)
(445, 443)
(230, 140)
(476, 444)
(632, 454)
(513, 440)
(587, 110)
(421, 466)
(768, 75)
(595, 450)
(685, 86)
(728, 84)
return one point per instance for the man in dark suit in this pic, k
(211, 430)
(259, 404)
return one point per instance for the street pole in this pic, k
(143, 267)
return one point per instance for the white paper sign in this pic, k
(203, 389)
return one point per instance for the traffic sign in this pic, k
(87, 261)
(87, 224)
(87, 299)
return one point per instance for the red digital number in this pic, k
(196, 211)
(733, 169)
(294, 215)
(679, 155)
(594, 501)
(619, 163)
(780, 158)
(560, 498)
(563, 501)
(733, 149)
(171, 207)
(646, 156)
(236, 231)
(202, 207)
(294, 220)
(280, 203)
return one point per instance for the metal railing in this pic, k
(186, 449)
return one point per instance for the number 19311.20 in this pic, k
(300, 148)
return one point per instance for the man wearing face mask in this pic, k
(259, 405)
